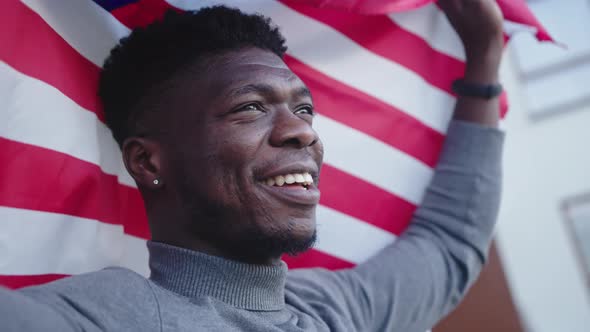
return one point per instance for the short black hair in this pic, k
(151, 55)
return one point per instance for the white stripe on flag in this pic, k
(347, 238)
(36, 242)
(341, 58)
(334, 54)
(430, 24)
(38, 114)
(81, 23)
(373, 161)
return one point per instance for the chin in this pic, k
(269, 240)
(255, 235)
(294, 244)
(292, 237)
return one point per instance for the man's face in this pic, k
(242, 133)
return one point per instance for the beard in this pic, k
(241, 234)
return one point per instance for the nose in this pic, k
(292, 130)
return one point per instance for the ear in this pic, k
(143, 160)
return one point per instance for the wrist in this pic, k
(488, 51)
(483, 67)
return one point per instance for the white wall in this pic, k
(546, 161)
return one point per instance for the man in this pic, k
(217, 133)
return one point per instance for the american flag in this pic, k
(380, 72)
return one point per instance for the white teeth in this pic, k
(280, 180)
(289, 179)
(299, 178)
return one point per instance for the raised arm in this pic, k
(412, 284)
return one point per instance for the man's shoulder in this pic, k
(321, 284)
(109, 298)
(109, 284)
(112, 278)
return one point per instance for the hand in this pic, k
(479, 24)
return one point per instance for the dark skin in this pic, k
(250, 121)
(238, 118)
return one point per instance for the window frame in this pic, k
(566, 207)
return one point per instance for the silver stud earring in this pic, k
(156, 181)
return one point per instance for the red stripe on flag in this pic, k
(40, 179)
(19, 281)
(368, 7)
(364, 201)
(32, 47)
(382, 36)
(360, 111)
(314, 258)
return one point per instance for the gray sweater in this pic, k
(407, 287)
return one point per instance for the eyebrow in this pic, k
(303, 92)
(265, 89)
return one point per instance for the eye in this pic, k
(307, 109)
(251, 107)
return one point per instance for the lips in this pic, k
(293, 185)
(294, 194)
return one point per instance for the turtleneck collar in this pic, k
(194, 274)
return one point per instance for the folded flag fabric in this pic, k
(380, 73)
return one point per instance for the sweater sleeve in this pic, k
(19, 312)
(414, 282)
(99, 301)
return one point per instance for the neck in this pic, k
(176, 229)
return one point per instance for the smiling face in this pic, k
(241, 155)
